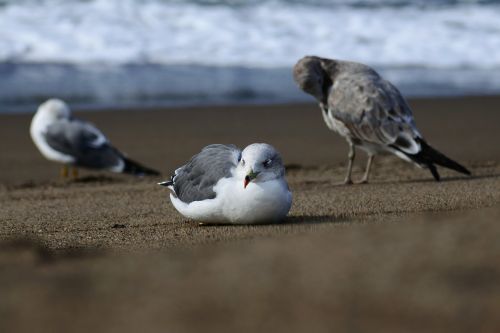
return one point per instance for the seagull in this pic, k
(223, 184)
(369, 112)
(62, 138)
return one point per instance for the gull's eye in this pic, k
(239, 158)
(267, 163)
(243, 162)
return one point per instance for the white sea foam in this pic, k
(168, 52)
(260, 34)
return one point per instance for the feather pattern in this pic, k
(195, 180)
(373, 110)
(368, 111)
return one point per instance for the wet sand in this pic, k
(109, 252)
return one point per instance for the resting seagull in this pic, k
(64, 139)
(222, 184)
(369, 112)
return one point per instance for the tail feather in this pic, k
(428, 156)
(167, 183)
(137, 169)
(434, 172)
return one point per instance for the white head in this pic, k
(260, 162)
(54, 109)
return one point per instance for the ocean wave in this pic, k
(254, 34)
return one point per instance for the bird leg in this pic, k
(364, 180)
(351, 156)
(64, 172)
(75, 173)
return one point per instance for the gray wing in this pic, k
(195, 180)
(373, 110)
(84, 142)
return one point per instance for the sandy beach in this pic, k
(110, 253)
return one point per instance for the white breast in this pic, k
(339, 128)
(38, 126)
(258, 203)
(335, 125)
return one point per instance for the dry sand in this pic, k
(109, 253)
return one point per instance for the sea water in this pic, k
(119, 53)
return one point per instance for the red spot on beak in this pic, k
(246, 182)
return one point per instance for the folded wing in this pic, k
(374, 111)
(81, 140)
(195, 180)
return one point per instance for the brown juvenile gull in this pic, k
(73, 142)
(370, 112)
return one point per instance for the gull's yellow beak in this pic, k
(249, 177)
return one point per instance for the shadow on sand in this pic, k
(290, 220)
(443, 180)
(395, 181)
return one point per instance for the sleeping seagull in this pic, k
(222, 184)
(369, 112)
(64, 139)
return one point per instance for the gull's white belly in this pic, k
(335, 125)
(339, 128)
(258, 203)
(36, 129)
